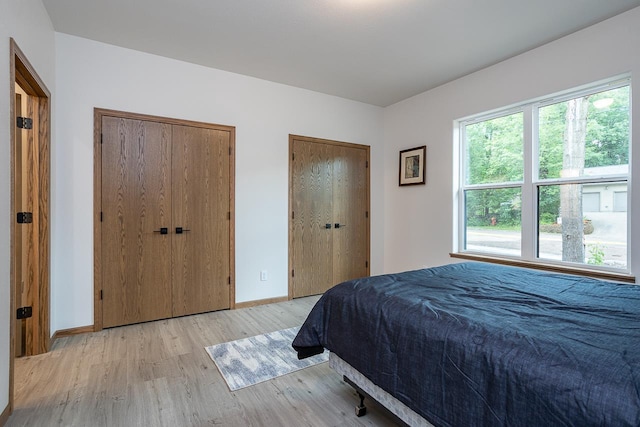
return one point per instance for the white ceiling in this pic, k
(375, 51)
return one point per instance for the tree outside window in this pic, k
(579, 149)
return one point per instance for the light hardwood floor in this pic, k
(159, 374)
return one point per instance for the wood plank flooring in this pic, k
(158, 374)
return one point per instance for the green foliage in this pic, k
(551, 125)
(607, 139)
(549, 203)
(494, 154)
(495, 150)
(596, 255)
(548, 218)
(494, 207)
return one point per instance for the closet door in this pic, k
(201, 220)
(136, 221)
(350, 213)
(329, 227)
(312, 218)
(163, 216)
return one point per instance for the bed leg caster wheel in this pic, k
(361, 410)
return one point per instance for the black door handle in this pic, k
(163, 230)
(327, 226)
(338, 225)
(180, 230)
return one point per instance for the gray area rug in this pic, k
(250, 361)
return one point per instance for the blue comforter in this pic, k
(484, 345)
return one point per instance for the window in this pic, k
(547, 181)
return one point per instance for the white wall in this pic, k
(91, 74)
(28, 23)
(417, 221)
(420, 233)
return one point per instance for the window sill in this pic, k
(598, 274)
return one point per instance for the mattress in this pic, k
(481, 344)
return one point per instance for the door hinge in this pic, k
(24, 123)
(100, 216)
(100, 294)
(25, 217)
(293, 156)
(229, 215)
(293, 273)
(24, 313)
(229, 280)
(366, 264)
(293, 215)
(101, 138)
(230, 151)
(366, 214)
(367, 164)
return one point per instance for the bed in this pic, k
(476, 344)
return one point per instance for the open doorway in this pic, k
(30, 133)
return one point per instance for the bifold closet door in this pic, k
(201, 206)
(136, 207)
(312, 222)
(329, 225)
(350, 213)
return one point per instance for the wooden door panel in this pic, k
(350, 197)
(201, 205)
(136, 203)
(30, 193)
(30, 235)
(20, 230)
(329, 184)
(312, 177)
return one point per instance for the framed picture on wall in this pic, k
(413, 167)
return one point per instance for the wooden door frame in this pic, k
(22, 72)
(98, 113)
(291, 201)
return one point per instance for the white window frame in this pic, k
(531, 181)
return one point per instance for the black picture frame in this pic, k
(413, 166)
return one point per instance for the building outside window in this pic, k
(547, 181)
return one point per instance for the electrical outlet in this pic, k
(263, 275)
